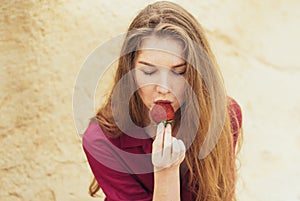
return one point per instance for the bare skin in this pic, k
(167, 155)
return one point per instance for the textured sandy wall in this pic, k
(43, 44)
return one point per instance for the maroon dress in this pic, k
(122, 166)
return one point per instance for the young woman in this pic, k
(166, 59)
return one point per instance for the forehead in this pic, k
(166, 44)
(161, 48)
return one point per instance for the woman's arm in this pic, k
(167, 155)
(167, 184)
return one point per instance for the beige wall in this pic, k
(43, 46)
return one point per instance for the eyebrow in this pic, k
(152, 65)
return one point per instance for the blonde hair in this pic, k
(212, 177)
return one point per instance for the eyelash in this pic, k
(150, 73)
(181, 73)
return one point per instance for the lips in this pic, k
(163, 102)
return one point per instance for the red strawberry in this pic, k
(162, 112)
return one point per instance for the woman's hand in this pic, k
(167, 151)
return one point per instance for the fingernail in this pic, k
(160, 127)
(168, 126)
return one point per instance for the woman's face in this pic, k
(159, 71)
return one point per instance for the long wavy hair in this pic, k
(212, 177)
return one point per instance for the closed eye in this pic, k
(179, 69)
(179, 72)
(148, 72)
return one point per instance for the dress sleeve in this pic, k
(116, 185)
(235, 114)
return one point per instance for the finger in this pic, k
(168, 140)
(182, 147)
(158, 142)
(176, 147)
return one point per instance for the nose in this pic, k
(163, 85)
(162, 89)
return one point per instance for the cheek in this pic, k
(139, 84)
(141, 79)
(146, 94)
(180, 90)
